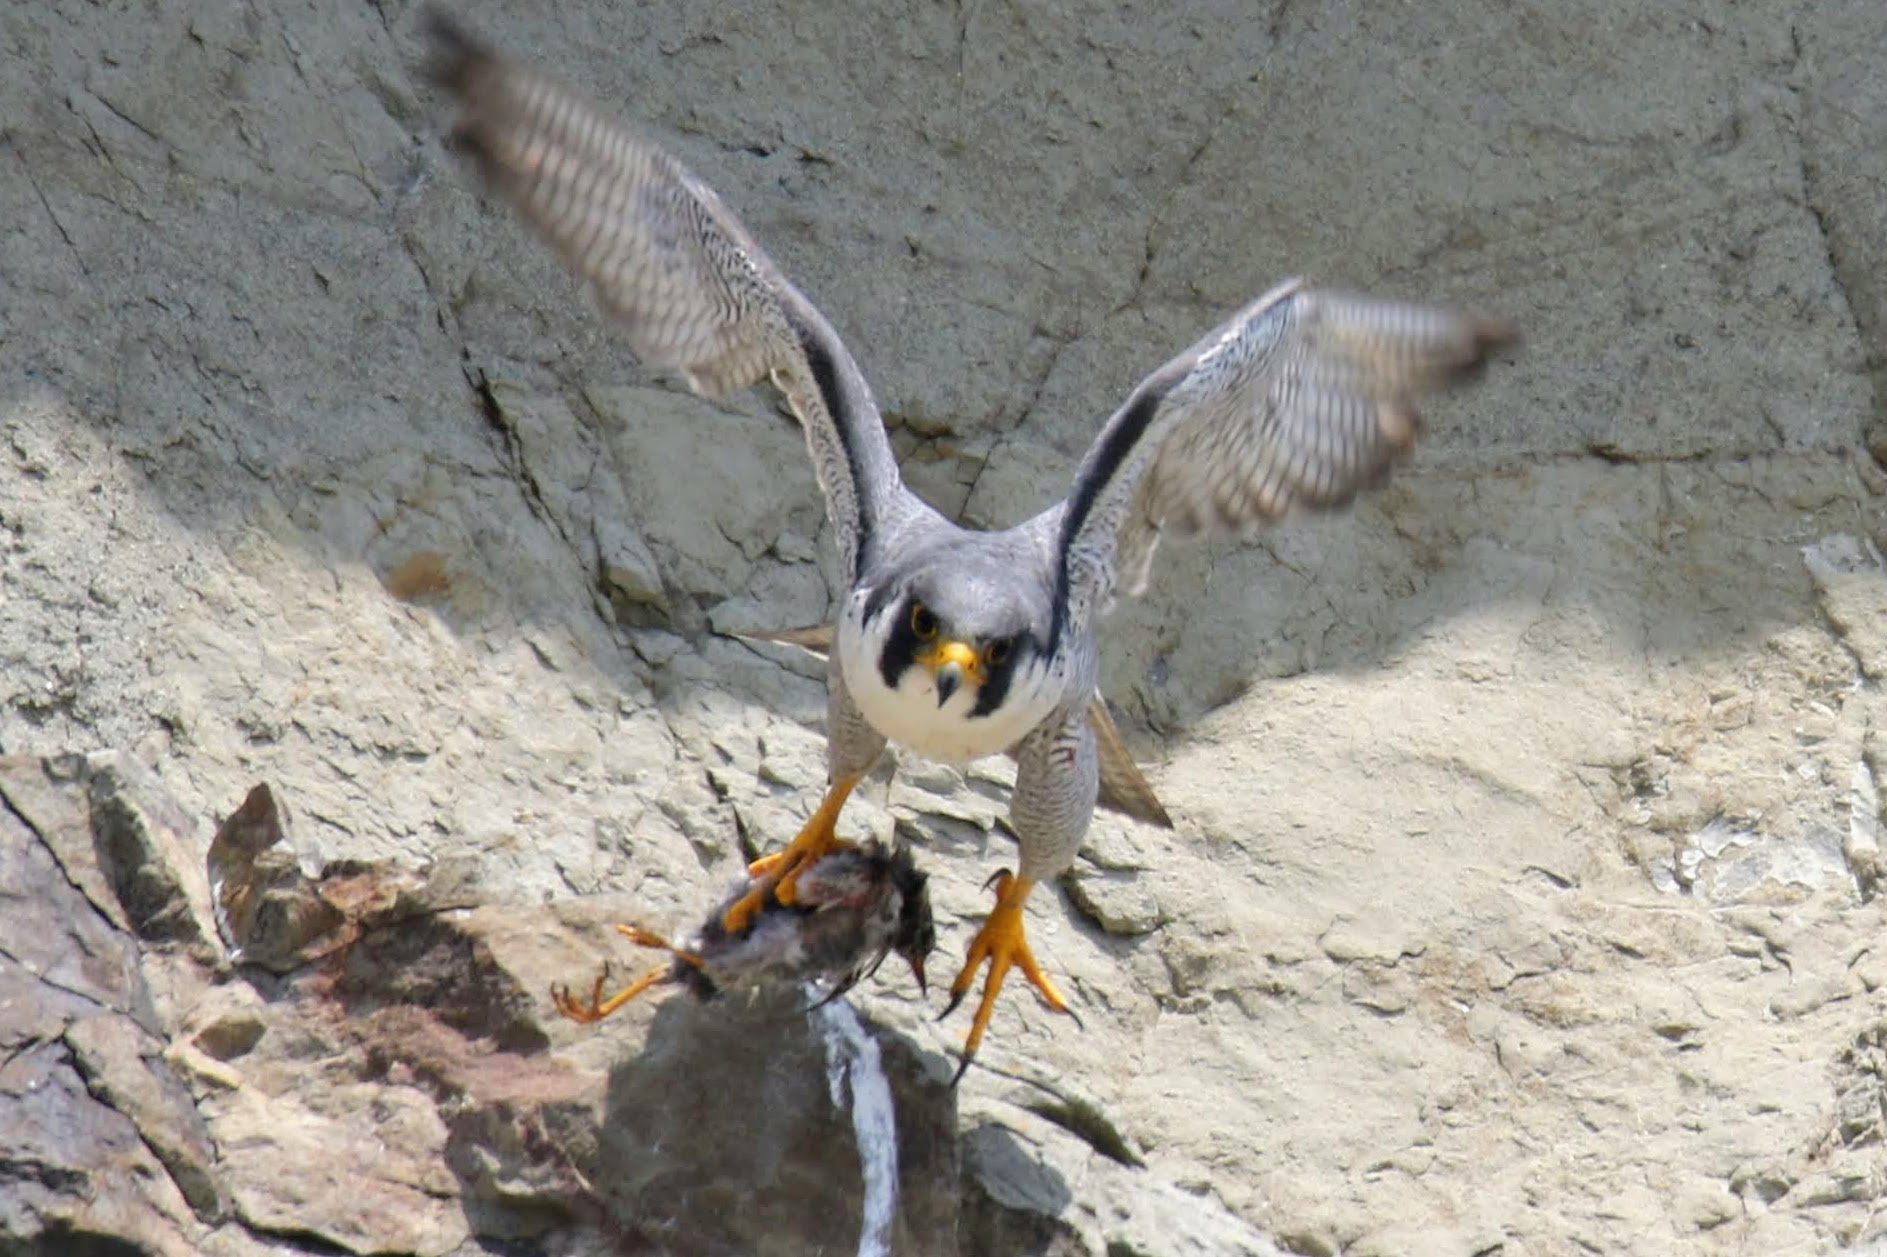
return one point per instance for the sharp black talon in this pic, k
(962, 1069)
(997, 876)
(951, 1007)
(1079, 1024)
(836, 991)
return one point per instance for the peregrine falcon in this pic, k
(956, 643)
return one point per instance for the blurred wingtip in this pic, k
(1492, 333)
(1488, 338)
(455, 54)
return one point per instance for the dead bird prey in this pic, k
(855, 906)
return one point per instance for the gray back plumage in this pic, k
(992, 584)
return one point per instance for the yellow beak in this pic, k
(952, 663)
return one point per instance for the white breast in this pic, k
(910, 717)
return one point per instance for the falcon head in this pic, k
(948, 653)
(959, 626)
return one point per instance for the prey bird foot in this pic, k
(594, 1009)
(581, 1013)
(1003, 942)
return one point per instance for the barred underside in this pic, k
(1057, 783)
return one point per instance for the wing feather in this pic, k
(1298, 402)
(690, 288)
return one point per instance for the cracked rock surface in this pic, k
(1523, 891)
(393, 1083)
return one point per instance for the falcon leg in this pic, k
(1002, 942)
(770, 863)
(778, 874)
(596, 1007)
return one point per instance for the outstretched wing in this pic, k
(1297, 402)
(691, 289)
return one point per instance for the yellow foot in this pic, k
(596, 1007)
(1003, 943)
(777, 875)
(771, 863)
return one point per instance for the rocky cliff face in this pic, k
(1522, 895)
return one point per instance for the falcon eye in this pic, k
(923, 623)
(996, 653)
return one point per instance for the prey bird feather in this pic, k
(855, 906)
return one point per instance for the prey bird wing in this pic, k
(689, 286)
(1296, 402)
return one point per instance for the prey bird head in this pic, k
(915, 936)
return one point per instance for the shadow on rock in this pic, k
(739, 1125)
(1016, 1200)
(380, 1070)
(732, 1131)
(729, 1130)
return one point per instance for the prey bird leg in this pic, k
(596, 1007)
